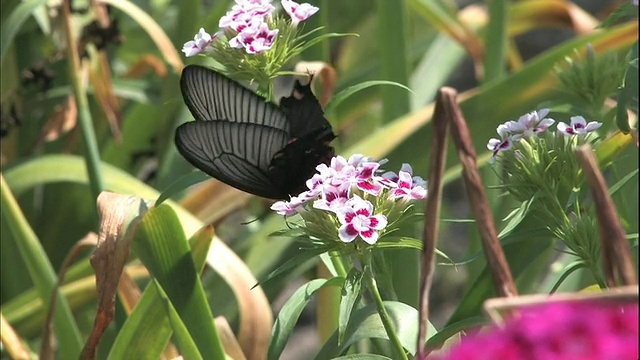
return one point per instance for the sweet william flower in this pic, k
(298, 12)
(502, 144)
(408, 187)
(255, 39)
(558, 331)
(357, 219)
(578, 126)
(201, 42)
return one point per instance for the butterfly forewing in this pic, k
(237, 154)
(212, 96)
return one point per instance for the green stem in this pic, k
(382, 311)
(92, 156)
(336, 260)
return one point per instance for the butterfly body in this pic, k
(249, 143)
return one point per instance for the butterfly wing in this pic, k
(292, 166)
(210, 95)
(238, 154)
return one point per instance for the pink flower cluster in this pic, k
(511, 131)
(247, 19)
(337, 187)
(559, 331)
(535, 123)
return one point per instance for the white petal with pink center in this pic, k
(357, 220)
(298, 12)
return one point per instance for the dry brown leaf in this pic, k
(63, 120)
(100, 79)
(118, 220)
(47, 346)
(228, 339)
(213, 200)
(144, 65)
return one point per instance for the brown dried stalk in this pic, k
(432, 209)
(616, 256)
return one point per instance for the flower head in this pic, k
(201, 42)
(505, 142)
(408, 187)
(357, 219)
(587, 331)
(255, 39)
(578, 126)
(298, 12)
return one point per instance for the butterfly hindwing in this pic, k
(237, 154)
(210, 95)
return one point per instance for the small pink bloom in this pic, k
(357, 220)
(255, 40)
(298, 12)
(333, 198)
(407, 188)
(201, 42)
(293, 206)
(578, 126)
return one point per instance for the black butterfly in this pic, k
(249, 143)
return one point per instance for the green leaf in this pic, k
(147, 330)
(436, 341)
(290, 313)
(342, 95)
(184, 182)
(617, 186)
(366, 324)
(13, 23)
(570, 269)
(521, 257)
(162, 247)
(628, 93)
(302, 257)
(351, 293)
(516, 217)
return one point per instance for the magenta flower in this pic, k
(578, 126)
(357, 219)
(201, 42)
(585, 331)
(298, 12)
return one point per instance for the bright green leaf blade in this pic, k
(436, 341)
(147, 330)
(290, 313)
(184, 182)
(349, 298)
(628, 93)
(342, 95)
(160, 244)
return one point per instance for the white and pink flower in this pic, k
(201, 43)
(298, 12)
(578, 126)
(357, 219)
(406, 186)
(255, 39)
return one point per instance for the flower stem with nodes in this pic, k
(382, 311)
